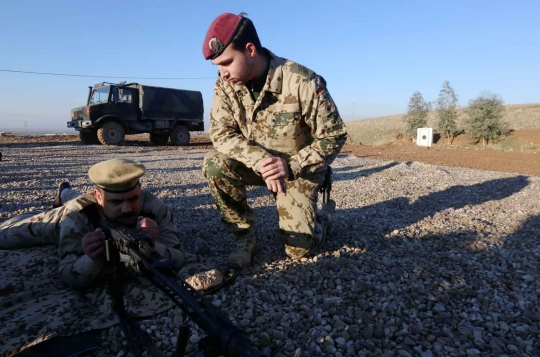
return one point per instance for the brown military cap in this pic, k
(220, 34)
(116, 175)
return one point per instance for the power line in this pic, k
(95, 76)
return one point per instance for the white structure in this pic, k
(424, 137)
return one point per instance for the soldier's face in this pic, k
(237, 66)
(123, 208)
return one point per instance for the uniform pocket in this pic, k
(286, 132)
(284, 114)
(285, 118)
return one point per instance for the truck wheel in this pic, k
(111, 133)
(180, 135)
(89, 137)
(159, 139)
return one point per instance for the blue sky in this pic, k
(373, 54)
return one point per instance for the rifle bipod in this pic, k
(183, 337)
(206, 346)
(134, 249)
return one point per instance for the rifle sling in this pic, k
(134, 335)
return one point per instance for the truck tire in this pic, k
(159, 139)
(111, 133)
(89, 137)
(180, 135)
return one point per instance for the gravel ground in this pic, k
(424, 260)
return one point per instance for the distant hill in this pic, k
(375, 131)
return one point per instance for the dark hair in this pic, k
(246, 34)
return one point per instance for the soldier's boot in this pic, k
(58, 200)
(324, 224)
(246, 248)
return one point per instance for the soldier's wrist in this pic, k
(294, 169)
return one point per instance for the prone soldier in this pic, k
(74, 226)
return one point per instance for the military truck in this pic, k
(114, 110)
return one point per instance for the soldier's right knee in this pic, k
(213, 164)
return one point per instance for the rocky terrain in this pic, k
(424, 260)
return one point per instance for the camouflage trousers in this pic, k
(34, 228)
(31, 229)
(298, 223)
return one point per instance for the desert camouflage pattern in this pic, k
(294, 118)
(298, 222)
(38, 301)
(31, 229)
(77, 269)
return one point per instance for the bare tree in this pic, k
(447, 113)
(417, 113)
(485, 117)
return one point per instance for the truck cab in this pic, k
(114, 110)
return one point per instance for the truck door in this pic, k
(124, 104)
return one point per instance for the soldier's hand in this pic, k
(149, 226)
(93, 243)
(277, 185)
(274, 168)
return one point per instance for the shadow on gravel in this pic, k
(382, 218)
(342, 173)
(442, 294)
(420, 294)
(432, 295)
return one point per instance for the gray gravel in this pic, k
(424, 260)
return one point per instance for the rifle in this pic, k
(134, 248)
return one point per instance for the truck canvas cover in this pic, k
(170, 103)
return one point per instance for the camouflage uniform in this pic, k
(37, 306)
(294, 118)
(82, 216)
(67, 225)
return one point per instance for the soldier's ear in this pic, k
(99, 196)
(251, 49)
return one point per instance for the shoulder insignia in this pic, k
(299, 69)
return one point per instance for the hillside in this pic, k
(380, 130)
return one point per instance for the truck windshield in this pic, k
(100, 95)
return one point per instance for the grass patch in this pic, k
(380, 130)
(509, 143)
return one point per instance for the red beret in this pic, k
(220, 34)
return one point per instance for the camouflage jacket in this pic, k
(294, 117)
(81, 216)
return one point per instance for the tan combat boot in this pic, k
(323, 224)
(246, 248)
